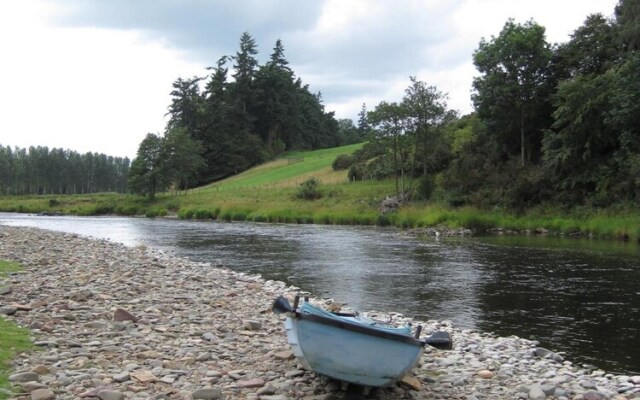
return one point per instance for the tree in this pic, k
(363, 124)
(513, 93)
(627, 14)
(147, 172)
(181, 159)
(390, 121)
(593, 49)
(426, 110)
(245, 69)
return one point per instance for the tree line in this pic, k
(221, 125)
(552, 123)
(38, 170)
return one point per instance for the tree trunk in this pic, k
(522, 135)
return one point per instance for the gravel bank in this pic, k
(113, 322)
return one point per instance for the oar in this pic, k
(440, 340)
(281, 305)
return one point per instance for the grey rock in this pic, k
(544, 353)
(121, 377)
(588, 384)
(32, 385)
(252, 325)
(24, 377)
(593, 395)
(110, 395)
(43, 394)
(5, 289)
(209, 336)
(8, 310)
(207, 394)
(536, 393)
(123, 315)
(549, 389)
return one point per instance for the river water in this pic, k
(577, 297)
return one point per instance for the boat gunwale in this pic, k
(359, 328)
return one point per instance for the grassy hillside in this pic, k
(267, 193)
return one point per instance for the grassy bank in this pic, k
(13, 339)
(267, 193)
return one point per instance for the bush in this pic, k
(202, 214)
(309, 190)
(185, 213)
(356, 172)
(425, 188)
(343, 161)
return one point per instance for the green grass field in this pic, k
(267, 193)
(13, 339)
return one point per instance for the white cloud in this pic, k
(83, 88)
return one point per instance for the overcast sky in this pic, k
(92, 75)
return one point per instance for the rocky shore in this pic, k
(111, 322)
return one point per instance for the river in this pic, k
(578, 297)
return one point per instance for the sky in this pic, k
(95, 75)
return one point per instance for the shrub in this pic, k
(356, 172)
(343, 161)
(309, 189)
(185, 213)
(155, 212)
(425, 188)
(53, 203)
(202, 214)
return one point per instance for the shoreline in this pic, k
(121, 322)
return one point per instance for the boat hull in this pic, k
(358, 356)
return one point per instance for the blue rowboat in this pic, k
(352, 348)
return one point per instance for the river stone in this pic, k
(485, 374)
(209, 336)
(121, 377)
(251, 383)
(252, 325)
(593, 395)
(40, 370)
(5, 289)
(411, 382)
(536, 393)
(123, 315)
(24, 377)
(32, 385)
(544, 353)
(284, 355)
(43, 394)
(110, 395)
(207, 394)
(8, 310)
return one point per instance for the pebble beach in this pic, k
(112, 322)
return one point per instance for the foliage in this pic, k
(264, 111)
(309, 190)
(40, 170)
(147, 173)
(342, 161)
(513, 93)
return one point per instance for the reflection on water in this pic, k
(580, 299)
